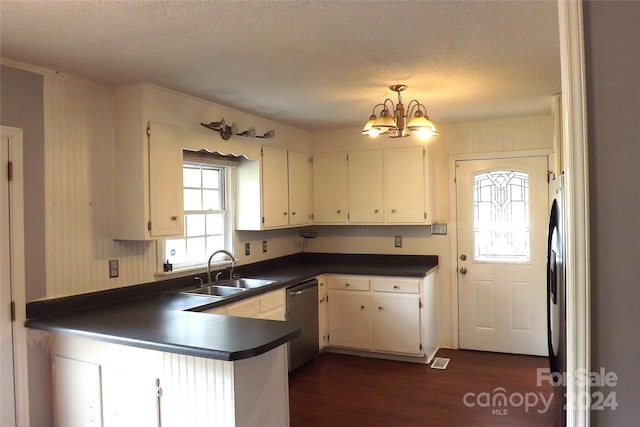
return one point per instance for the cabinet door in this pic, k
(323, 314)
(366, 186)
(350, 319)
(299, 188)
(166, 208)
(330, 193)
(396, 323)
(275, 192)
(244, 308)
(405, 185)
(128, 398)
(77, 393)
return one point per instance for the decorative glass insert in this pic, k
(501, 216)
(205, 216)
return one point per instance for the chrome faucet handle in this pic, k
(198, 278)
(218, 274)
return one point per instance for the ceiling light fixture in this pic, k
(399, 124)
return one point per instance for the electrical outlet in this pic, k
(398, 242)
(247, 249)
(264, 246)
(114, 268)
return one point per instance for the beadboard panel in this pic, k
(79, 197)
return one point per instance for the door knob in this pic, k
(463, 257)
(463, 270)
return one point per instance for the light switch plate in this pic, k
(440, 229)
(247, 249)
(398, 241)
(114, 268)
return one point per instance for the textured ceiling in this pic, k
(312, 64)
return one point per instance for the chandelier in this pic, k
(398, 124)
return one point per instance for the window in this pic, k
(501, 216)
(206, 215)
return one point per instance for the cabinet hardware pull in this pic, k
(362, 307)
(393, 211)
(396, 287)
(379, 308)
(174, 218)
(375, 211)
(338, 211)
(347, 284)
(293, 213)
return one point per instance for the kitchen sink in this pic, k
(245, 283)
(216, 290)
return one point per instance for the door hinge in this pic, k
(420, 304)
(10, 171)
(424, 152)
(311, 159)
(262, 218)
(347, 158)
(348, 215)
(13, 311)
(149, 225)
(148, 130)
(420, 346)
(425, 215)
(312, 217)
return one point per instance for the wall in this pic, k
(487, 136)
(22, 106)
(613, 109)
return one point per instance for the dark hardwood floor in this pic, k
(340, 390)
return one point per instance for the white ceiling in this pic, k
(312, 64)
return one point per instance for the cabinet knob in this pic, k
(338, 211)
(285, 214)
(375, 211)
(293, 213)
(379, 308)
(396, 287)
(393, 211)
(362, 307)
(174, 218)
(346, 285)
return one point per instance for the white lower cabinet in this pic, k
(270, 306)
(109, 385)
(133, 405)
(396, 323)
(77, 392)
(374, 313)
(350, 321)
(323, 313)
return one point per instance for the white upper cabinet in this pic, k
(148, 175)
(273, 192)
(275, 184)
(299, 188)
(388, 186)
(330, 188)
(405, 185)
(366, 186)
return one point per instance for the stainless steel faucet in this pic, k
(227, 253)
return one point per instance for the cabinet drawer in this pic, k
(272, 300)
(247, 308)
(396, 285)
(355, 283)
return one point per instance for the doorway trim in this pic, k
(16, 213)
(453, 158)
(575, 160)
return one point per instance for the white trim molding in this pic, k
(577, 251)
(16, 206)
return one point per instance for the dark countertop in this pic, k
(166, 320)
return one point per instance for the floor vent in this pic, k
(440, 363)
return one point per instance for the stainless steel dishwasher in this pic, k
(302, 309)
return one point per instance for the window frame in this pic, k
(228, 184)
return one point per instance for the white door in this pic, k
(502, 209)
(7, 392)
